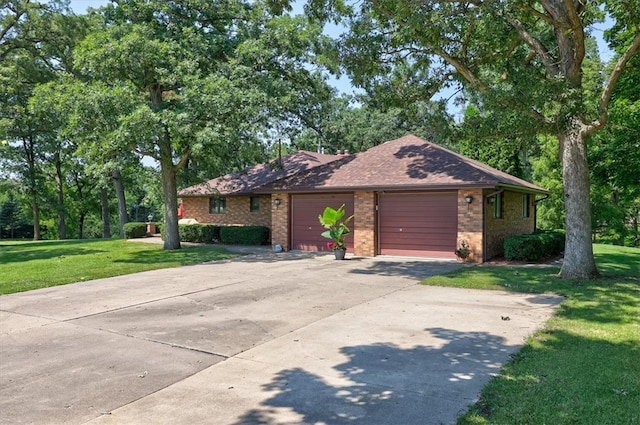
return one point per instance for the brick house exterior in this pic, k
(513, 221)
(490, 205)
(238, 211)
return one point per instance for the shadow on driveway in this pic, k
(417, 269)
(389, 384)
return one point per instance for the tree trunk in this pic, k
(62, 225)
(30, 154)
(170, 192)
(104, 200)
(122, 202)
(81, 219)
(168, 170)
(578, 251)
(35, 210)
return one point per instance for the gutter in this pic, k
(525, 189)
(535, 201)
(491, 195)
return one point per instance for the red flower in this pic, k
(330, 246)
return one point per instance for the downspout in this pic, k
(535, 211)
(535, 201)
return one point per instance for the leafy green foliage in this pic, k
(615, 154)
(534, 247)
(478, 135)
(358, 128)
(244, 235)
(331, 219)
(209, 80)
(135, 229)
(200, 233)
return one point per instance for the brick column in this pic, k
(364, 222)
(470, 222)
(280, 220)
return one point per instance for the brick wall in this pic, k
(511, 223)
(237, 211)
(280, 219)
(470, 219)
(364, 223)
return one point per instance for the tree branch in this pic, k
(538, 47)
(462, 69)
(150, 154)
(607, 92)
(548, 19)
(183, 159)
(577, 35)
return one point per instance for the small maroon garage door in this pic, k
(305, 227)
(422, 224)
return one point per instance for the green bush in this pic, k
(200, 233)
(244, 235)
(535, 246)
(135, 230)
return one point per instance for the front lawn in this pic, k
(31, 265)
(584, 366)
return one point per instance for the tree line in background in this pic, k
(204, 88)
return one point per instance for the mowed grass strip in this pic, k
(31, 265)
(584, 366)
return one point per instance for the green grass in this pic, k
(584, 366)
(31, 265)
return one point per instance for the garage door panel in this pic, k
(424, 224)
(306, 229)
(417, 239)
(404, 227)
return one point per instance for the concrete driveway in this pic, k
(267, 339)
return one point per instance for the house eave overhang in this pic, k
(214, 193)
(373, 188)
(525, 189)
(377, 188)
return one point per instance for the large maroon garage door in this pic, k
(424, 224)
(306, 228)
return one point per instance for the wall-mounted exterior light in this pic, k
(277, 201)
(468, 199)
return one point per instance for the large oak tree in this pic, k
(522, 57)
(210, 76)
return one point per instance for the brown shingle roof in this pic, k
(405, 163)
(259, 175)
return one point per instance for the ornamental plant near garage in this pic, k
(331, 219)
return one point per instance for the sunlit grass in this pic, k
(583, 367)
(31, 265)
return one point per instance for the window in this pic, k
(526, 205)
(254, 203)
(217, 205)
(497, 205)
